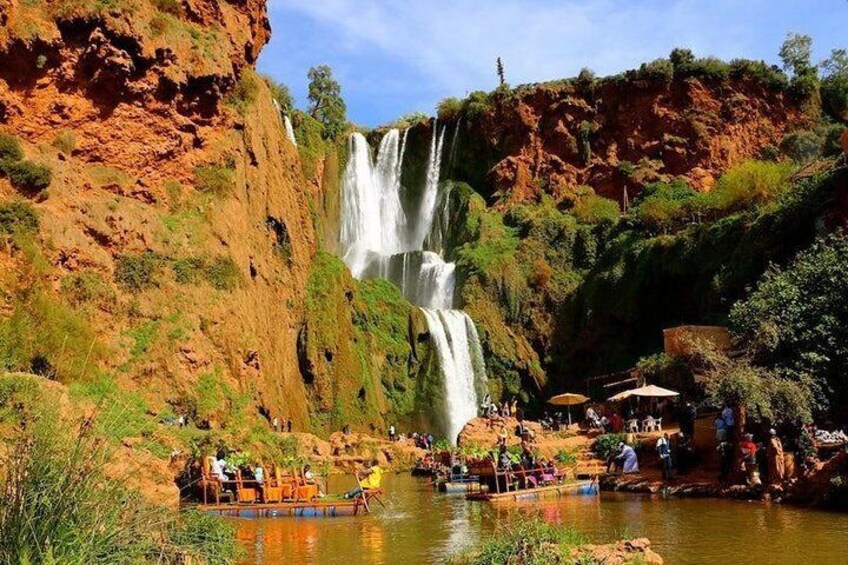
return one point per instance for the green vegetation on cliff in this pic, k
(354, 351)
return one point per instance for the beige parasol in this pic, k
(650, 391)
(568, 399)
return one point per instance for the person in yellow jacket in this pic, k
(372, 480)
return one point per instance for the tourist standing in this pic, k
(288, 425)
(276, 424)
(392, 432)
(664, 451)
(684, 453)
(725, 456)
(775, 458)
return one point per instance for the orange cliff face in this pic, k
(138, 96)
(551, 139)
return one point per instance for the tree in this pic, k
(834, 86)
(794, 322)
(328, 107)
(681, 57)
(796, 54)
(501, 78)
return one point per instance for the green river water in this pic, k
(421, 526)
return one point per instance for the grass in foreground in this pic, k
(57, 505)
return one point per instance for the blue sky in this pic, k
(394, 57)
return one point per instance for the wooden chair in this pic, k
(247, 491)
(270, 490)
(302, 490)
(210, 482)
(284, 483)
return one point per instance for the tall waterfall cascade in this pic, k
(381, 238)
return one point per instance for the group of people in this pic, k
(504, 409)
(226, 471)
(287, 426)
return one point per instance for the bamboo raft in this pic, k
(537, 493)
(301, 509)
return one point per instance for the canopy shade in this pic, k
(652, 391)
(568, 399)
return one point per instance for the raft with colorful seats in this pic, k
(569, 488)
(294, 509)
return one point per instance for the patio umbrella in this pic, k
(568, 399)
(649, 391)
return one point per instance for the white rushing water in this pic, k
(382, 240)
(289, 130)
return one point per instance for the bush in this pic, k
(477, 105)
(10, 149)
(280, 92)
(449, 109)
(529, 541)
(59, 506)
(65, 141)
(223, 274)
(189, 269)
(751, 182)
(29, 176)
(245, 92)
(801, 146)
(663, 205)
(137, 272)
(593, 209)
(87, 286)
(607, 444)
(659, 69)
(17, 217)
(219, 180)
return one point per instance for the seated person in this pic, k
(309, 478)
(259, 473)
(373, 479)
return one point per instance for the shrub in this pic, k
(86, 286)
(223, 274)
(566, 457)
(477, 104)
(662, 205)
(245, 92)
(281, 93)
(528, 540)
(409, 120)
(18, 217)
(607, 444)
(188, 269)
(29, 176)
(659, 69)
(137, 272)
(593, 209)
(749, 183)
(65, 141)
(10, 148)
(449, 109)
(540, 275)
(801, 146)
(219, 180)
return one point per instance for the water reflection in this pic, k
(419, 526)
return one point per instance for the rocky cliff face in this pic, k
(176, 230)
(614, 135)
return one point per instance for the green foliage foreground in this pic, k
(529, 542)
(59, 506)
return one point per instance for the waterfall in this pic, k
(452, 331)
(379, 240)
(289, 130)
(431, 187)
